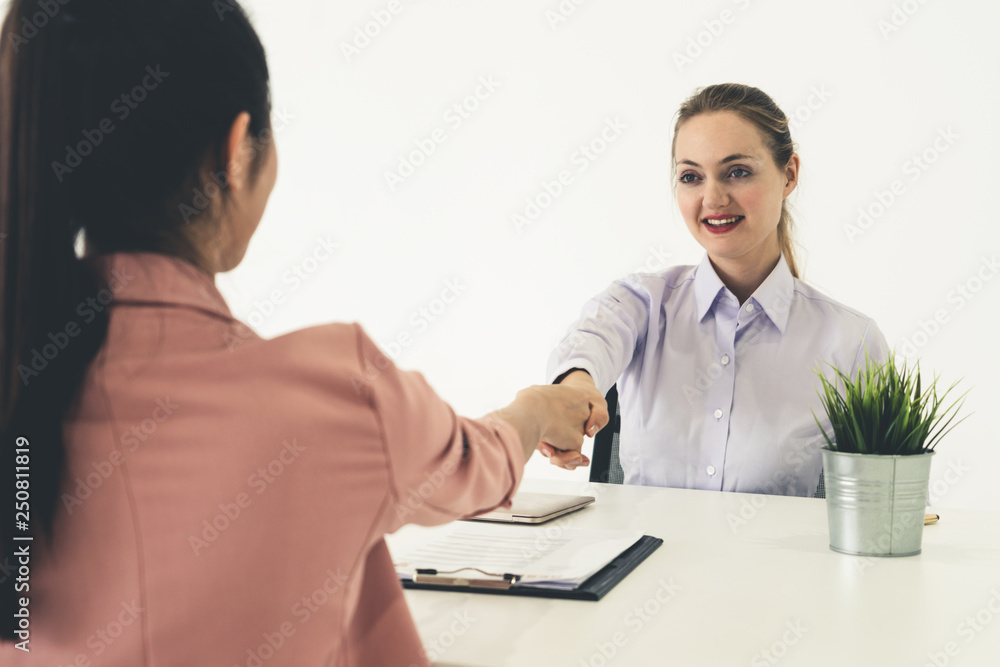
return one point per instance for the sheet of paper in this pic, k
(549, 556)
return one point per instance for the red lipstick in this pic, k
(712, 225)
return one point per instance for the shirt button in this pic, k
(718, 413)
(725, 360)
(710, 470)
(749, 307)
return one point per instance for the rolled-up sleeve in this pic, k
(441, 466)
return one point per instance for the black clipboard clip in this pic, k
(438, 578)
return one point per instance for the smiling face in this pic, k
(730, 191)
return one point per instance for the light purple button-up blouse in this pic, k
(714, 394)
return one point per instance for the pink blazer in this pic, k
(226, 496)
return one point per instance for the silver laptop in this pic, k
(535, 508)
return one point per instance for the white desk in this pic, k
(756, 584)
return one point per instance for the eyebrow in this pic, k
(729, 158)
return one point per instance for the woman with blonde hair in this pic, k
(716, 364)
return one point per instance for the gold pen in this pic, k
(930, 518)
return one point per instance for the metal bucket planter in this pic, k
(875, 504)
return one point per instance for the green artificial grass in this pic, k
(885, 411)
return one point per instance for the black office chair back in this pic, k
(605, 465)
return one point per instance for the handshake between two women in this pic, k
(555, 418)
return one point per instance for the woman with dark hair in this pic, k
(716, 363)
(181, 500)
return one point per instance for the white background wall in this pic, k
(872, 85)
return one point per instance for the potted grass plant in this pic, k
(876, 463)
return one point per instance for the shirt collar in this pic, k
(774, 295)
(145, 278)
(707, 287)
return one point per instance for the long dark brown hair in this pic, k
(110, 113)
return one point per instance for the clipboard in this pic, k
(592, 590)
